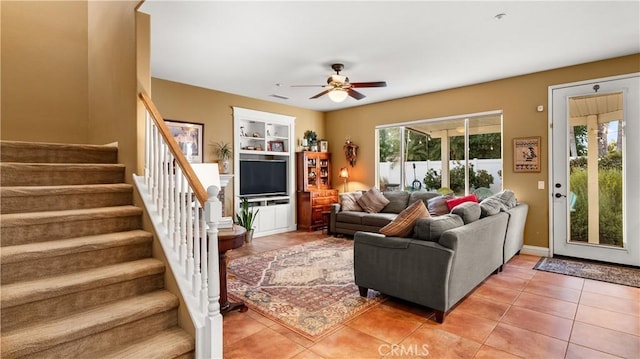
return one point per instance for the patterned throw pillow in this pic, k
(438, 206)
(373, 201)
(403, 224)
(349, 201)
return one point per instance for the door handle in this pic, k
(558, 195)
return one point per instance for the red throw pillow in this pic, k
(456, 201)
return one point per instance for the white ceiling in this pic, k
(260, 48)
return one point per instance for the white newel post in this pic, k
(213, 213)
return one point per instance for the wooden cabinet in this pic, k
(313, 171)
(313, 184)
(311, 204)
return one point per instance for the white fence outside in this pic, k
(391, 172)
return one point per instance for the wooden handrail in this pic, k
(196, 185)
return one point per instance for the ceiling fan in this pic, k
(338, 87)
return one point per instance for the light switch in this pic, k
(540, 184)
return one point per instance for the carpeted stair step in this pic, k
(45, 259)
(48, 298)
(86, 333)
(33, 227)
(170, 343)
(39, 152)
(59, 174)
(55, 198)
(78, 279)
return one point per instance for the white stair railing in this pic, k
(185, 218)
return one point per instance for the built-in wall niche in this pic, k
(265, 140)
(262, 137)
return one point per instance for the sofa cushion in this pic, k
(491, 206)
(378, 219)
(456, 201)
(468, 211)
(349, 201)
(398, 201)
(423, 196)
(507, 197)
(431, 228)
(372, 201)
(403, 224)
(350, 217)
(437, 206)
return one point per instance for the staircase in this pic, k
(77, 277)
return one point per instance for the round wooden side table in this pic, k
(228, 239)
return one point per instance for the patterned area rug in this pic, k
(309, 288)
(591, 270)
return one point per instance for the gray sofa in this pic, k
(350, 222)
(434, 274)
(447, 257)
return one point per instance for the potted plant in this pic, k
(223, 151)
(245, 218)
(312, 139)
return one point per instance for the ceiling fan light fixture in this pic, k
(338, 78)
(338, 95)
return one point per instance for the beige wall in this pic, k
(517, 97)
(69, 73)
(44, 71)
(113, 81)
(182, 102)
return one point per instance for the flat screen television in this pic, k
(263, 178)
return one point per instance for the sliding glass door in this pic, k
(456, 154)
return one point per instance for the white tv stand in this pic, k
(266, 136)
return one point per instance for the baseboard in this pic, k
(535, 251)
(274, 231)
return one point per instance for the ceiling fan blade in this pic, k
(320, 94)
(308, 85)
(355, 94)
(369, 84)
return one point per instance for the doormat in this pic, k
(584, 268)
(309, 288)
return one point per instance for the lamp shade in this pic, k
(338, 95)
(207, 173)
(344, 172)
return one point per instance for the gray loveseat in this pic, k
(447, 257)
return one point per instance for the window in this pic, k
(456, 154)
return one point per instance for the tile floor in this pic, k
(519, 313)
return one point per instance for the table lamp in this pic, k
(344, 173)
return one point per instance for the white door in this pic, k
(595, 169)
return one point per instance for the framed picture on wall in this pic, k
(526, 154)
(189, 137)
(324, 146)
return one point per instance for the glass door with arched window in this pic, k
(595, 170)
